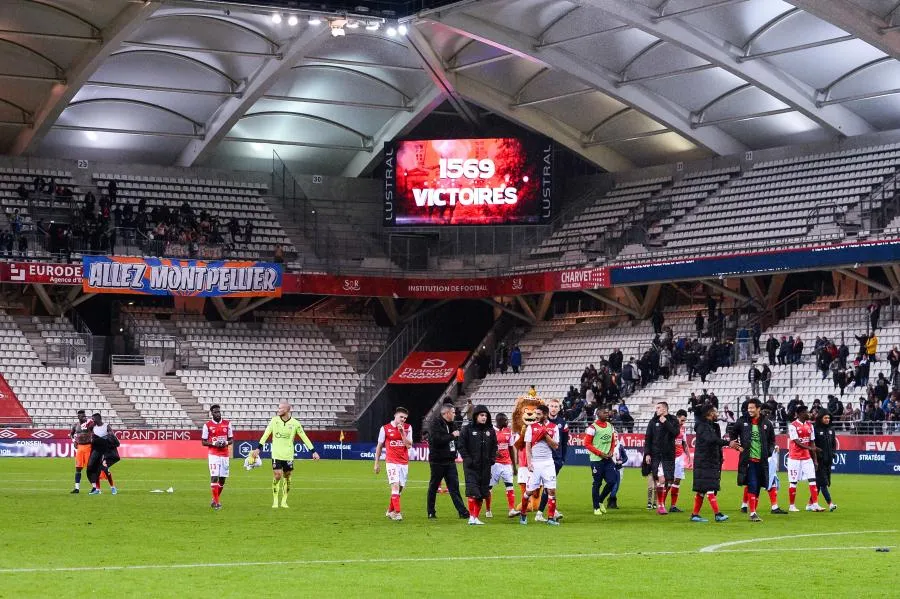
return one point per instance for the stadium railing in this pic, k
(161, 423)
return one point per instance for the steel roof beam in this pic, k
(199, 49)
(121, 28)
(347, 103)
(231, 111)
(399, 124)
(837, 119)
(440, 75)
(596, 77)
(790, 49)
(162, 88)
(870, 28)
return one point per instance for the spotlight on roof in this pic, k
(292, 20)
(90, 135)
(353, 24)
(391, 31)
(372, 26)
(313, 20)
(276, 18)
(402, 29)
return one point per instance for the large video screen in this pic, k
(490, 181)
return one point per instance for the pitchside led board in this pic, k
(485, 181)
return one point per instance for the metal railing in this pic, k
(373, 381)
(68, 349)
(159, 423)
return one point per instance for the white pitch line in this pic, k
(398, 560)
(713, 548)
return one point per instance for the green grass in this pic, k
(336, 522)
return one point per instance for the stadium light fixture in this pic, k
(91, 135)
(337, 27)
(402, 29)
(276, 18)
(372, 26)
(391, 31)
(352, 24)
(314, 20)
(292, 20)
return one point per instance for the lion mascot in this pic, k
(524, 414)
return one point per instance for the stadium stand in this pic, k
(153, 401)
(252, 366)
(51, 394)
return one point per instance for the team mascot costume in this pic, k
(524, 414)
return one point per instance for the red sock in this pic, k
(488, 500)
(746, 498)
(524, 507)
(792, 494)
(675, 490)
(661, 495)
(471, 501)
(813, 494)
(511, 499)
(395, 502)
(773, 496)
(698, 503)
(551, 506)
(713, 502)
(478, 503)
(214, 488)
(754, 502)
(109, 479)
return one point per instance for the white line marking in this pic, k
(713, 548)
(460, 558)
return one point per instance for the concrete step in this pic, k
(186, 399)
(119, 401)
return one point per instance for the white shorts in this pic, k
(523, 476)
(800, 470)
(501, 472)
(543, 475)
(679, 467)
(774, 482)
(218, 465)
(397, 474)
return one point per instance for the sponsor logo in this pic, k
(7, 434)
(880, 446)
(897, 468)
(872, 457)
(42, 434)
(434, 363)
(244, 449)
(351, 285)
(368, 455)
(16, 273)
(396, 443)
(517, 283)
(336, 446)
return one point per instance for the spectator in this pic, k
(694, 404)
(835, 407)
(872, 347)
(625, 416)
(234, 229)
(743, 341)
(460, 381)
(874, 313)
(631, 375)
(248, 232)
(515, 359)
(615, 360)
(797, 350)
(112, 188)
(711, 309)
(893, 359)
(698, 324)
(665, 362)
(843, 354)
(756, 333)
(772, 347)
(754, 376)
(23, 245)
(765, 377)
(278, 254)
(657, 320)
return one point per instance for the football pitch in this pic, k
(335, 541)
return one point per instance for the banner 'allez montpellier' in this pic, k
(166, 276)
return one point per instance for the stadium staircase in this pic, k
(185, 399)
(118, 400)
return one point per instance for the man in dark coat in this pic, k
(659, 453)
(826, 442)
(104, 454)
(478, 449)
(442, 440)
(708, 444)
(756, 435)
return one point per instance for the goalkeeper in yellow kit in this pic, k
(283, 428)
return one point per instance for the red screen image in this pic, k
(468, 182)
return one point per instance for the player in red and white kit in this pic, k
(504, 466)
(396, 437)
(541, 438)
(218, 436)
(682, 460)
(801, 460)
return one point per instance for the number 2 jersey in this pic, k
(389, 436)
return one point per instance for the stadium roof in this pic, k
(623, 83)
